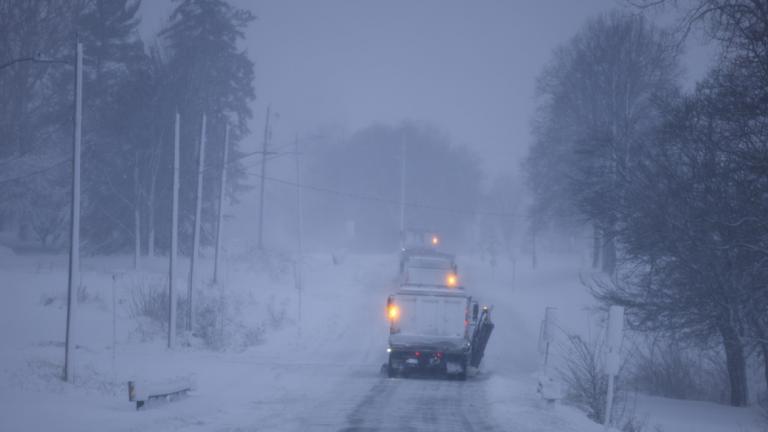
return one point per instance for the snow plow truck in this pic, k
(436, 329)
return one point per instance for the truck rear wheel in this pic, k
(462, 376)
(391, 371)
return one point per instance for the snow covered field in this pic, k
(321, 372)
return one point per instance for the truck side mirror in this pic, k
(475, 311)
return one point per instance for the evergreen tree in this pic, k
(115, 141)
(35, 139)
(209, 75)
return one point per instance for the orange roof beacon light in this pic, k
(393, 312)
(452, 280)
(435, 240)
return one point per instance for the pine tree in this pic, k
(210, 74)
(115, 136)
(34, 136)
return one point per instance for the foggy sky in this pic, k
(466, 67)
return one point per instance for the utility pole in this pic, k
(174, 238)
(196, 233)
(402, 189)
(221, 204)
(136, 215)
(300, 230)
(267, 136)
(74, 244)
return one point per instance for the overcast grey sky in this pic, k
(466, 67)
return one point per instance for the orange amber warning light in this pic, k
(435, 240)
(393, 312)
(451, 280)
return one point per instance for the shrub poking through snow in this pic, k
(220, 325)
(150, 301)
(84, 295)
(148, 305)
(210, 312)
(583, 373)
(665, 367)
(582, 369)
(277, 312)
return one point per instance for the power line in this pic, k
(270, 155)
(362, 197)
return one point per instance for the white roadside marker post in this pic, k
(548, 387)
(550, 319)
(613, 343)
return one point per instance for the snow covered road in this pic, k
(321, 373)
(420, 405)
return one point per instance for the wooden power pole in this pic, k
(174, 238)
(220, 215)
(267, 137)
(74, 244)
(196, 233)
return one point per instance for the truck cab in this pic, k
(428, 268)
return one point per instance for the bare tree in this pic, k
(596, 99)
(691, 227)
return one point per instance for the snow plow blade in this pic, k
(480, 337)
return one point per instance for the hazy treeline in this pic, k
(442, 186)
(195, 64)
(132, 90)
(673, 182)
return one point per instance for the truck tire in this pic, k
(391, 371)
(462, 376)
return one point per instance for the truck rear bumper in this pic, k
(427, 360)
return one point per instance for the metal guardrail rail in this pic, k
(168, 391)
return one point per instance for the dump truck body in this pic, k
(430, 329)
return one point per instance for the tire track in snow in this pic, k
(422, 404)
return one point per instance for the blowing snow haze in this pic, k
(468, 69)
(226, 215)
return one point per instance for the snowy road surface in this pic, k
(420, 405)
(321, 373)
